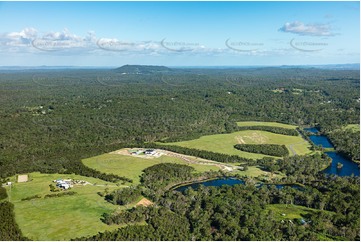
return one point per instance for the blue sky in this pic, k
(179, 33)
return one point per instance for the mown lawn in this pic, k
(223, 143)
(132, 167)
(61, 218)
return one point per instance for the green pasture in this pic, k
(132, 167)
(223, 143)
(60, 218)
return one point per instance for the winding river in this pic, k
(349, 167)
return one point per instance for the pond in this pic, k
(312, 130)
(212, 183)
(348, 168)
(231, 181)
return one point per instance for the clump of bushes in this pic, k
(70, 193)
(31, 198)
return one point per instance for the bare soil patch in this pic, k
(240, 139)
(23, 178)
(258, 138)
(144, 202)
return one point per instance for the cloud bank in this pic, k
(300, 28)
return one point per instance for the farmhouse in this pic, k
(149, 152)
(136, 152)
(64, 184)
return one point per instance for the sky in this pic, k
(179, 33)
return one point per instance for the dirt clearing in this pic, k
(240, 139)
(144, 202)
(257, 138)
(23, 178)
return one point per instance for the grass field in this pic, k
(296, 212)
(290, 211)
(273, 124)
(353, 127)
(223, 143)
(255, 171)
(132, 167)
(60, 218)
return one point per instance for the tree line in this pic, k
(266, 149)
(276, 130)
(242, 212)
(9, 229)
(347, 142)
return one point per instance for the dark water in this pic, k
(321, 140)
(212, 183)
(312, 130)
(348, 168)
(231, 182)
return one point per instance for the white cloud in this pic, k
(300, 28)
(31, 40)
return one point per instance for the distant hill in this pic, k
(140, 69)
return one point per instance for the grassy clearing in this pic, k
(254, 171)
(296, 212)
(353, 127)
(273, 124)
(132, 167)
(223, 143)
(290, 211)
(60, 218)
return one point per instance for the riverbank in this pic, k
(349, 166)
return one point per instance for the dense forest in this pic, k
(51, 119)
(241, 212)
(266, 149)
(9, 230)
(276, 130)
(347, 142)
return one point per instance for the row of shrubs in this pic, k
(31, 198)
(69, 193)
(276, 130)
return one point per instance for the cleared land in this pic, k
(23, 178)
(353, 127)
(287, 213)
(61, 218)
(144, 202)
(131, 167)
(290, 211)
(223, 143)
(272, 124)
